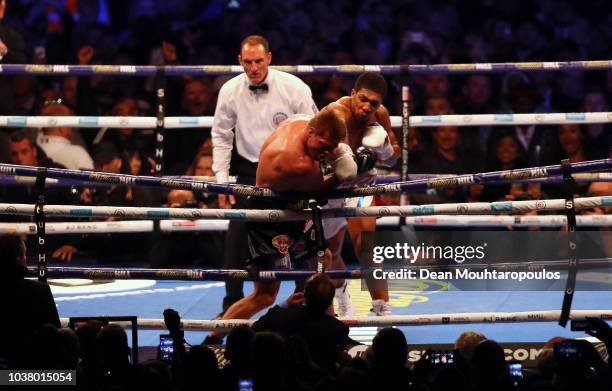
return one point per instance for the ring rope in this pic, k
(140, 226)
(276, 215)
(585, 177)
(396, 121)
(246, 190)
(352, 69)
(61, 272)
(380, 179)
(389, 320)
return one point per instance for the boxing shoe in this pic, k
(343, 303)
(381, 308)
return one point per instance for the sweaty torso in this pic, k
(281, 153)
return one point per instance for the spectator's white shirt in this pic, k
(62, 151)
(254, 115)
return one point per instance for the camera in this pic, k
(165, 350)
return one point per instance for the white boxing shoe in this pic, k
(381, 307)
(343, 303)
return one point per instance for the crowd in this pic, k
(367, 32)
(295, 346)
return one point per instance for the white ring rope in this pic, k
(392, 320)
(396, 121)
(139, 226)
(285, 215)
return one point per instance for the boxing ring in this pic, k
(197, 293)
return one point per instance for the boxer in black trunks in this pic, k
(290, 161)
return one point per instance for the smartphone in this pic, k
(165, 350)
(245, 384)
(579, 325)
(515, 370)
(442, 357)
(566, 349)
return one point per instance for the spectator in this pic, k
(12, 51)
(506, 157)
(26, 304)
(389, 356)
(490, 371)
(467, 342)
(113, 364)
(87, 334)
(238, 354)
(181, 144)
(599, 135)
(325, 336)
(200, 364)
(57, 145)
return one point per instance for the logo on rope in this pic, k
(89, 121)
(17, 121)
(442, 183)
(180, 185)
(531, 173)
(7, 170)
(575, 116)
(38, 68)
(279, 117)
(238, 215)
(273, 216)
(462, 209)
(119, 213)
(540, 204)
(423, 210)
(52, 121)
(196, 213)
(503, 117)
(282, 243)
(539, 117)
(123, 121)
(104, 68)
(350, 68)
(467, 118)
(216, 68)
(10, 209)
(384, 211)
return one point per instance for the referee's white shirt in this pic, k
(254, 115)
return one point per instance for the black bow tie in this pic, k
(261, 87)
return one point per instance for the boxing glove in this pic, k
(344, 165)
(376, 139)
(366, 159)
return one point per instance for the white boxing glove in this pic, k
(344, 164)
(376, 139)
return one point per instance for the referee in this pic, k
(250, 106)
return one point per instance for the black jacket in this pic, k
(26, 305)
(16, 55)
(324, 335)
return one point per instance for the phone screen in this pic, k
(165, 350)
(579, 325)
(442, 357)
(566, 349)
(245, 385)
